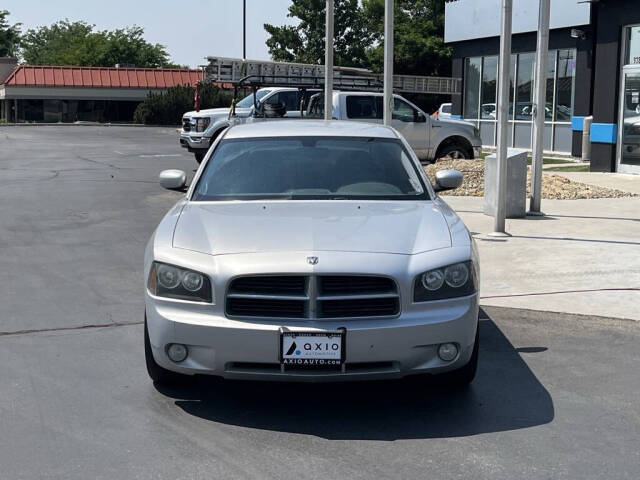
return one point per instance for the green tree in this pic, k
(78, 43)
(167, 108)
(419, 47)
(304, 43)
(9, 36)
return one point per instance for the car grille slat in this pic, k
(354, 284)
(285, 285)
(315, 296)
(358, 308)
(266, 308)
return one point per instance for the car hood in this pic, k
(403, 227)
(453, 121)
(217, 113)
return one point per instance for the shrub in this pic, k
(167, 108)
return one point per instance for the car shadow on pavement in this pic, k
(506, 395)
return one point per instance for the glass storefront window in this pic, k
(472, 87)
(489, 88)
(481, 88)
(564, 85)
(632, 55)
(551, 78)
(524, 86)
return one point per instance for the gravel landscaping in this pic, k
(553, 186)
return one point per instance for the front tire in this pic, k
(157, 373)
(199, 156)
(454, 152)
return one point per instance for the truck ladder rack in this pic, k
(254, 73)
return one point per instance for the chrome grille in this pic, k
(186, 124)
(312, 297)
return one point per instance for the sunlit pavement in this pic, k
(555, 396)
(582, 257)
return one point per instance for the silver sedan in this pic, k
(311, 250)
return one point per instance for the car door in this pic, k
(413, 124)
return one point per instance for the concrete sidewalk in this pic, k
(589, 247)
(617, 181)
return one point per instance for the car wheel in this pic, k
(454, 152)
(156, 372)
(462, 377)
(199, 156)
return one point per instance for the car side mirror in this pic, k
(448, 180)
(172, 179)
(420, 118)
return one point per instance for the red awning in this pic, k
(101, 77)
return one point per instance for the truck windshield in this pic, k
(247, 101)
(301, 168)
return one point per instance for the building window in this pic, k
(632, 54)
(480, 95)
(564, 85)
(489, 88)
(524, 86)
(551, 79)
(472, 87)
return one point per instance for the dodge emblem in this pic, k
(312, 260)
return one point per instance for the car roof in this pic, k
(308, 128)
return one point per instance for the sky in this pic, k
(189, 30)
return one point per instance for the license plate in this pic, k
(311, 349)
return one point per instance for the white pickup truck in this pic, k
(430, 138)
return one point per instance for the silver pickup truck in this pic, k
(430, 138)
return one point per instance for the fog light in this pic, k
(177, 352)
(447, 351)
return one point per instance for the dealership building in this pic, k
(34, 93)
(593, 68)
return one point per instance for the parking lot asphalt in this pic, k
(556, 395)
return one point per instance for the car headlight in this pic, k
(202, 124)
(457, 280)
(174, 282)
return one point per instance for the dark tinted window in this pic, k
(310, 167)
(362, 106)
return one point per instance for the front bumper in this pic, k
(374, 348)
(477, 152)
(194, 141)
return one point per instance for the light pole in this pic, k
(328, 63)
(244, 30)
(539, 110)
(503, 116)
(388, 62)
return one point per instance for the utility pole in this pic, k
(328, 63)
(244, 30)
(244, 37)
(388, 62)
(539, 109)
(503, 116)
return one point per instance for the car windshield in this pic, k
(247, 101)
(297, 168)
